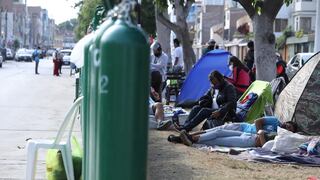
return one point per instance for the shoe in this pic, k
(162, 125)
(174, 139)
(186, 138)
(234, 152)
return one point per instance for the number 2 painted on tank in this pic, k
(104, 81)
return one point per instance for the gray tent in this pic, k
(300, 99)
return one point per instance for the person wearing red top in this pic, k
(240, 77)
(281, 68)
(56, 64)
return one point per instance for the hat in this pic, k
(155, 45)
(211, 42)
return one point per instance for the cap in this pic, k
(211, 42)
(155, 45)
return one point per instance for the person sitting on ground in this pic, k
(226, 100)
(236, 134)
(156, 109)
(240, 77)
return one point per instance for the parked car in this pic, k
(24, 55)
(66, 56)
(1, 60)
(296, 62)
(3, 53)
(9, 54)
(50, 52)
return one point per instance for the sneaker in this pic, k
(174, 139)
(186, 138)
(162, 125)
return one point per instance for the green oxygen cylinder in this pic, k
(94, 70)
(85, 107)
(123, 103)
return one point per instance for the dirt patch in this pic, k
(175, 161)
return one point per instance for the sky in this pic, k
(59, 10)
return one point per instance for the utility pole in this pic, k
(6, 29)
(1, 38)
(317, 31)
(25, 25)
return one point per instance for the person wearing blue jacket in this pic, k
(36, 58)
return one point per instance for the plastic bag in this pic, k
(287, 141)
(54, 163)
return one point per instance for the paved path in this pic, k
(31, 106)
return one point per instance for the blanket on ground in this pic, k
(261, 155)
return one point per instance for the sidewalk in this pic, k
(31, 106)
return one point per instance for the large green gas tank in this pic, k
(85, 107)
(94, 66)
(122, 110)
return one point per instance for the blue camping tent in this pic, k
(197, 83)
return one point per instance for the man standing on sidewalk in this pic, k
(36, 57)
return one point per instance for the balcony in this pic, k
(305, 6)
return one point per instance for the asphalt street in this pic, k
(31, 106)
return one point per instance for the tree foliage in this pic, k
(148, 20)
(88, 8)
(68, 25)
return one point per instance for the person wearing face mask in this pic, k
(159, 61)
(240, 76)
(226, 100)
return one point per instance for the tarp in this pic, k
(197, 83)
(77, 54)
(299, 101)
(263, 90)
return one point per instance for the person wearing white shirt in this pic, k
(159, 62)
(177, 60)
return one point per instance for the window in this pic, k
(296, 24)
(280, 25)
(305, 24)
(305, 47)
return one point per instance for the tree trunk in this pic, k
(163, 36)
(183, 35)
(264, 47)
(188, 54)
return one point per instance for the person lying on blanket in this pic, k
(156, 109)
(235, 134)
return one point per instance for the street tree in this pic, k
(86, 13)
(180, 27)
(88, 8)
(263, 14)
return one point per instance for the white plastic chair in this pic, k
(63, 146)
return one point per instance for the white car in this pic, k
(24, 55)
(66, 56)
(296, 62)
(1, 60)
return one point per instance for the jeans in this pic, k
(36, 68)
(196, 116)
(228, 138)
(230, 126)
